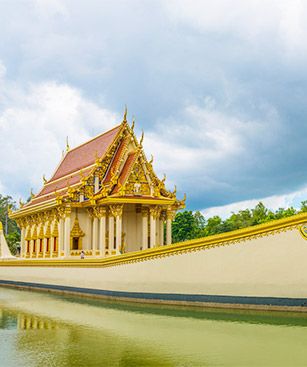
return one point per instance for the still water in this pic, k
(38, 329)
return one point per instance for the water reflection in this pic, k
(8, 320)
(42, 342)
(28, 322)
(38, 329)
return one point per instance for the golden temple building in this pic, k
(104, 199)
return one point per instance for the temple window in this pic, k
(75, 243)
(76, 235)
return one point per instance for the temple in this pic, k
(104, 199)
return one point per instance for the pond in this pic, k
(42, 329)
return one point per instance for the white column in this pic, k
(61, 236)
(168, 231)
(154, 215)
(67, 232)
(51, 244)
(111, 233)
(152, 230)
(31, 248)
(118, 233)
(44, 247)
(95, 235)
(37, 245)
(33, 235)
(56, 237)
(102, 231)
(169, 218)
(144, 228)
(161, 231)
(117, 212)
(22, 242)
(27, 241)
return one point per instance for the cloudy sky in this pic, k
(219, 88)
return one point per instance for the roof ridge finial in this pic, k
(133, 123)
(67, 145)
(142, 138)
(125, 114)
(175, 190)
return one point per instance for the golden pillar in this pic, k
(101, 211)
(144, 228)
(67, 232)
(154, 215)
(117, 213)
(170, 215)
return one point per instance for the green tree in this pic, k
(187, 226)
(284, 213)
(13, 233)
(303, 206)
(238, 220)
(213, 226)
(259, 214)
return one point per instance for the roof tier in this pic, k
(77, 163)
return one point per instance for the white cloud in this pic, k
(272, 202)
(34, 123)
(277, 20)
(49, 8)
(2, 70)
(1, 188)
(195, 146)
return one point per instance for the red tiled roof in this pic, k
(84, 155)
(79, 158)
(128, 164)
(41, 199)
(63, 182)
(115, 161)
(126, 169)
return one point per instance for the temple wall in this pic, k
(269, 266)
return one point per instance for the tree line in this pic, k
(189, 225)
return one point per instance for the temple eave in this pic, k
(46, 205)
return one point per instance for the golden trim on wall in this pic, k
(303, 230)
